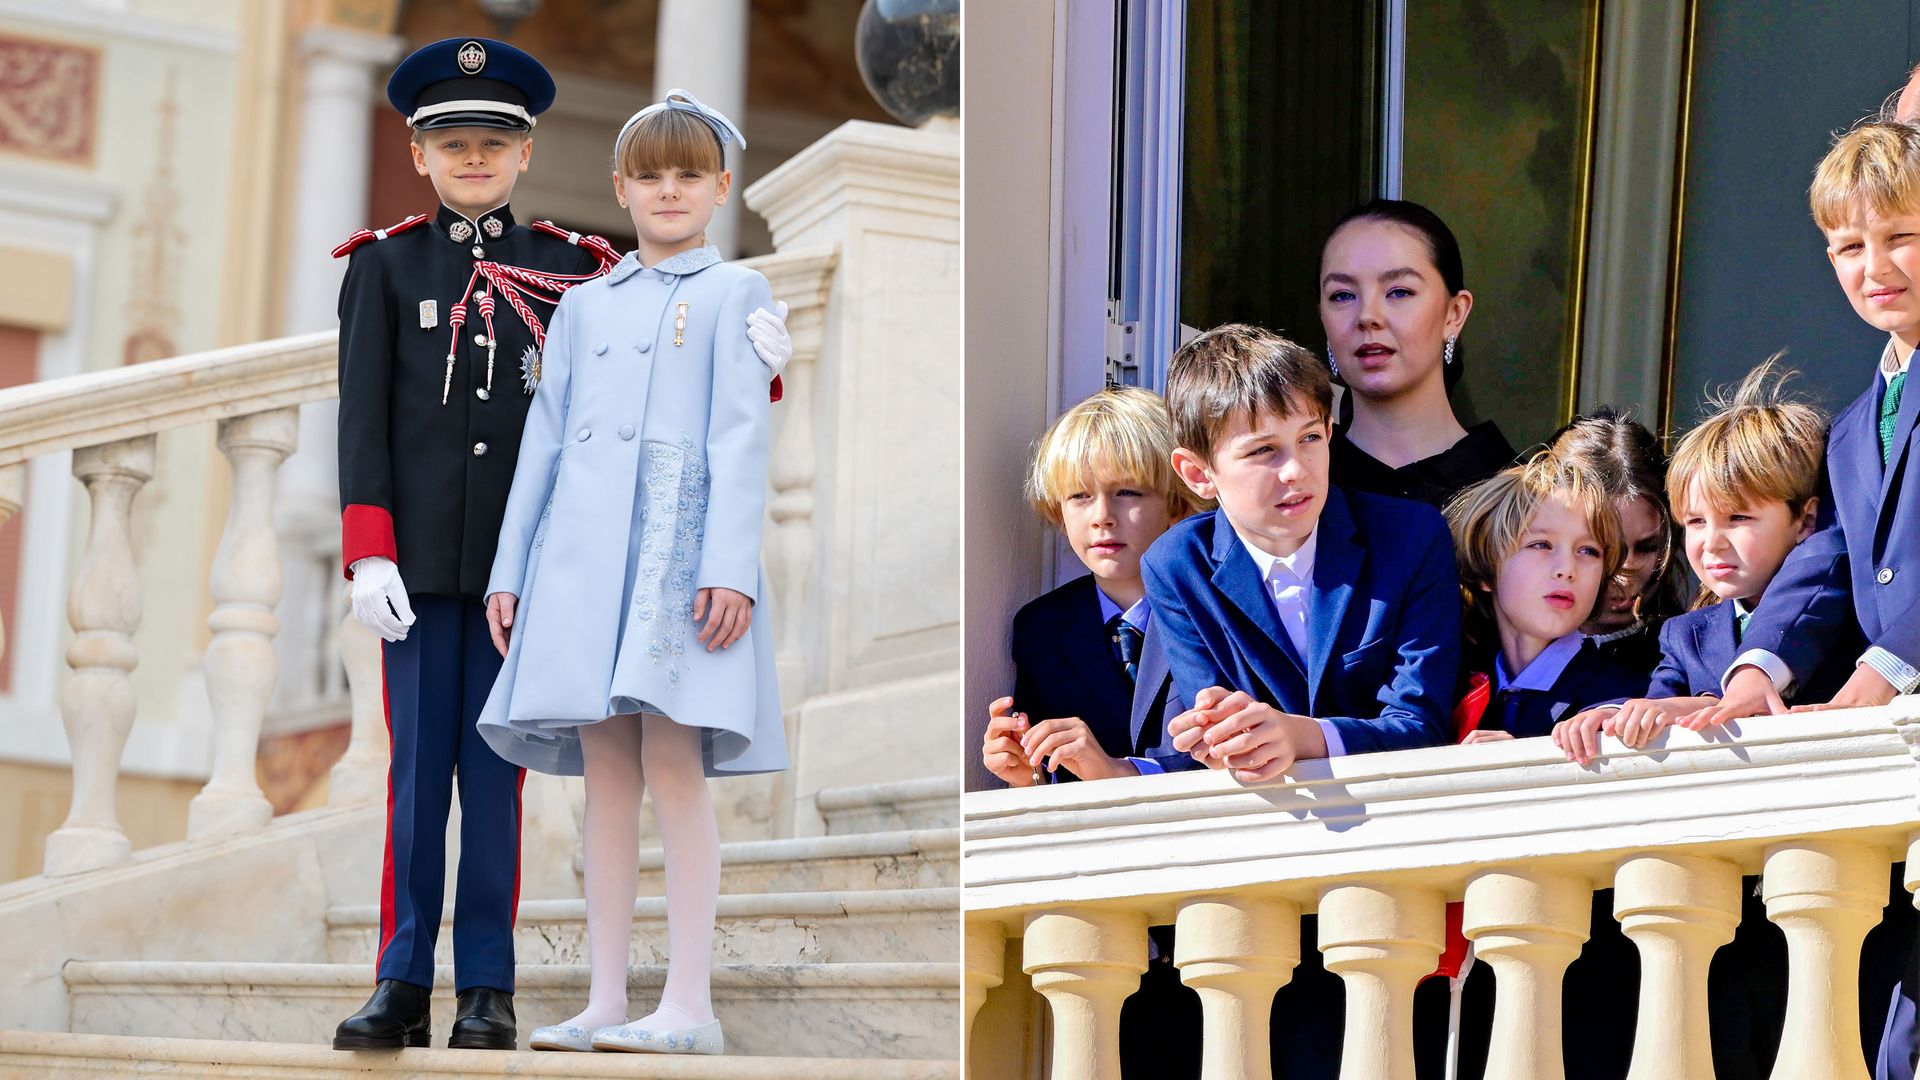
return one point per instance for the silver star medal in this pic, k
(530, 368)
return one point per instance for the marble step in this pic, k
(899, 859)
(56, 1055)
(792, 1010)
(931, 802)
(874, 926)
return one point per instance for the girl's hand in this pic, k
(1579, 736)
(1480, 735)
(500, 619)
(727, 614)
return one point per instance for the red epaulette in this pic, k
(601, 249)
(361, 236)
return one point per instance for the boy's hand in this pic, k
(1187, 729)
(500, 619)
(727, 614)
(1866, 687)
(1481, 735)
(1259, 742)
(1069, 741)
(1579, 735)
(1638, 721)
(1000, 751)
(1749, 693)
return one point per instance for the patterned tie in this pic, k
(1126, 639)
(1890, 415)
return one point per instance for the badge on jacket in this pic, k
(530, 368)
(429, 314)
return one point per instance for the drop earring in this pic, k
(1331, 362)
(1446, 356)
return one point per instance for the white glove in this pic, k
(768, 332)
(379, 599)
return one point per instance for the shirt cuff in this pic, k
(1147, 766)
(1899, 674)
(1336, 746)
(1776, 669)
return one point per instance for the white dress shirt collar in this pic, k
(1299, 564)
(1890, 362)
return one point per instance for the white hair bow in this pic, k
(723, 128)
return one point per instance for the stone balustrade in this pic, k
(1063, 881)
(110, 421)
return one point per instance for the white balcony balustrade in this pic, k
(1067, 878)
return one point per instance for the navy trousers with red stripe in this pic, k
(436, 682)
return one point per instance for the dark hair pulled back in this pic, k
(1441, 245)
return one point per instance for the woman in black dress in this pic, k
(1393, 301)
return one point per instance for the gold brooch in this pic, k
(679, 324)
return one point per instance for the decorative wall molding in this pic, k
(120, 25)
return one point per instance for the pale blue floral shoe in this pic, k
(563, 1037)
(635, 1039)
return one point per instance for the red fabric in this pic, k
(365, 531)
(519, 813)
(361, 236)
(387, 920)
(776, 390)
(1466, 718)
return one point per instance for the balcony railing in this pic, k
(111, 419)
(1068, 878)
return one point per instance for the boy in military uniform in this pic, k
(441, 323)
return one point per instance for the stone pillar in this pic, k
(98, 706)
(1678, 909)
(985, 964)
(1528, 925)
(13, 492)
(702, 49)
(1236, 952)
(240, 664)
(1824, 895)
(361, 773)
(1382, 940)
(1086, 963)
(343, 71)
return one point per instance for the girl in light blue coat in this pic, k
(625, 587)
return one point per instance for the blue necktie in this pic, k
(1126, 639)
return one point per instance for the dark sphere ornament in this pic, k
(909, 54)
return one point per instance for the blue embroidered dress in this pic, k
(641, 479)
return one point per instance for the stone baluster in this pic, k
(240, 663)
(985, 967)
(361, 773)
(1086, 963)
(97, 707)
(1236, 952)
(1382, 940)
(13, 493)
(1678, 909)
(1528, 925)
(1824, 895)
(791, 470)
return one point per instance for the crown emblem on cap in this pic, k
(472, 57)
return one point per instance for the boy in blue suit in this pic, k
(1865, 197)
(1088, 659)
(1301, 620)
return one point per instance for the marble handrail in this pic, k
(111, 419)
(1065, 879)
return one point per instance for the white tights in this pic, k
(623, 754)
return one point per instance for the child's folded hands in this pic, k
(1254, 740)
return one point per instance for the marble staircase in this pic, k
(835, 955)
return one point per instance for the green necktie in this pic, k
(1890, 415)
(1740, 622)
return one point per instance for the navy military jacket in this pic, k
(424, 483)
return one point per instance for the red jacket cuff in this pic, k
(365, 531)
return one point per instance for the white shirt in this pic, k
(1289, 580)
(1890, 362)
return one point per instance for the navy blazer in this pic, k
(1816, 598)
(1697, 648)
(1063, 665)
(1383, 621)
(1592, 677)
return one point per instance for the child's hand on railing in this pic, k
(1000, 750)
(1579, 735)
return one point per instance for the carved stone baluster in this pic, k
(1678, 909)
(98, 705)
(13, 491)
(1528, 926)
(1236, 952)
(1382, 940)
(985, 966)
(1086, 963)
(361, 773)
(1824, 895)
(790, 473)
(240, 664)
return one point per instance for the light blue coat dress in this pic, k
(642, 478)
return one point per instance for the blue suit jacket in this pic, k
(1697, 648)
(1383, 621)
(1874, 524)
(1591, 677)
(1063, 665)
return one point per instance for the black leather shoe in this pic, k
(485, 1021)
(398, 1014)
